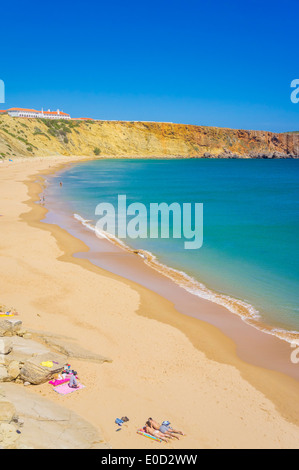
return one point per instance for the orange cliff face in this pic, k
(40, 137)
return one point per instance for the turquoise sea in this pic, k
(250, 250)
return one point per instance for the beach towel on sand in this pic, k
(145, 434)
(59, 382)
(64, 389)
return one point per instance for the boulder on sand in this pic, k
(5, 346)
(13, 370)
(23, 349)
(3, 374)
(72, 350)
(48, 425)
(33, 372)
(7, 410)
(9, 327)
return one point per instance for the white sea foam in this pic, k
(244, 310)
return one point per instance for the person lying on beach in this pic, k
(155, 427)
(165, 428)
(154, 432)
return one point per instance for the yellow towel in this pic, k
(47, 364)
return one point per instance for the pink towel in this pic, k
(58, 382)
(65, 389)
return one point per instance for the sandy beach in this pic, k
(164, 364)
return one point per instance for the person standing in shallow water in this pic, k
(60, 184)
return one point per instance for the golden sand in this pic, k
(165, 365)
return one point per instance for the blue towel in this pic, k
(119, 421)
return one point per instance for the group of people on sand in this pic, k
(70, 374)
(162, 431)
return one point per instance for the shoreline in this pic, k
(158, 317)
(243, 310)
(272, 348)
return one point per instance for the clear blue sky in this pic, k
(223, 63)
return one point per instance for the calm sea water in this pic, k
(251, 221)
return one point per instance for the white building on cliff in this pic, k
(32, 113)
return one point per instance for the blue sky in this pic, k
(223, 63)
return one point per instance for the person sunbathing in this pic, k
(165, 428)
(154, 432)
(153, 425)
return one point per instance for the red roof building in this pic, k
(33, 113)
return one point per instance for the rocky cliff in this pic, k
(37, 137)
